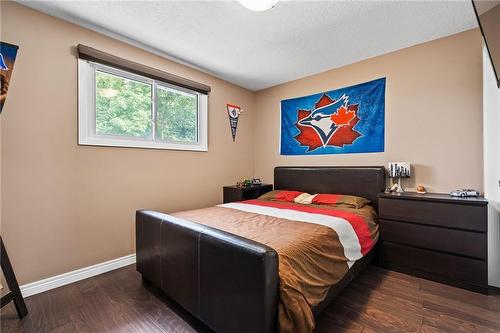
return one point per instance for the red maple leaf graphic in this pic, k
(343, 116)
(323, 101)
(345, 119)
(345, 135)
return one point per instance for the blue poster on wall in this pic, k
(346, 120)
(8, 54)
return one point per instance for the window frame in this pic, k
(87, 112)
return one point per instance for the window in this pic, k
(119, 108)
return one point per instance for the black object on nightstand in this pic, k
(435, 236)
(235, 193)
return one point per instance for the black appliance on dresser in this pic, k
(435, 236)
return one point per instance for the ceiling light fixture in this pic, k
(258, 5)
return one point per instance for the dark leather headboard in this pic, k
(363, 181)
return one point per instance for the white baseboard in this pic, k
(77, 275)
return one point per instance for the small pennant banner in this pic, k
(234, 113)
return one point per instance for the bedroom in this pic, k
(69, 196)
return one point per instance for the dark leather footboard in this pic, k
(228, 282)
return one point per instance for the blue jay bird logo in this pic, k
(321, 119)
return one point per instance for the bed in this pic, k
(237, 284)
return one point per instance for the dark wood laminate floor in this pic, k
(377, 301)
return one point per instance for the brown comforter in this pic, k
(312, 257)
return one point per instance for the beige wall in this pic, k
(66, 206)
(433, 113)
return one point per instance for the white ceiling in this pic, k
(257, 50)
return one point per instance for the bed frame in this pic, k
(230, 282)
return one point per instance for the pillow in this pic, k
(281, 195)
(339, 199)
(305, 198)
(317, 199)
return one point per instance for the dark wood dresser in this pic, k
(435, 236)
(235, 193)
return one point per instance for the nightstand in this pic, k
(235, 193)
(435, 236)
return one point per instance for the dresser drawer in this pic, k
(466, 243)
(459, 216)
(411, 259)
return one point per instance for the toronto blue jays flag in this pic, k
(346, 120)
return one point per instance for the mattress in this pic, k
(316, 245)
